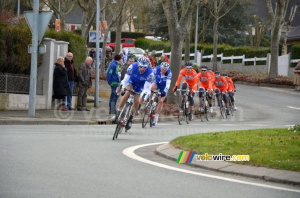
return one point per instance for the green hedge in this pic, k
(76, 44)
(133, 35)
(295, 53)
(226, 49)
(14, 56)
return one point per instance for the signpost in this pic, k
(38, 22)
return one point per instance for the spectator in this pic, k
(85, 82)
(153, 54)
(60, 83)
(92, 54)
(113, 80)
(72, 77)
(124, 68)
(195, 67)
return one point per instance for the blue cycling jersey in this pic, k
(162, 79)
(137, 80)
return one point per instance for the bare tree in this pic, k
(177, 30)
(218, 9)
(260, 30)
(288, 23)
(115, 13)
(88, 16)
(66, 6)
(277, 20)
(121, 19)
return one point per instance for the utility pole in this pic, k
(34, 54)
(18, 8)
(97, 57)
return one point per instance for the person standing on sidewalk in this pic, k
(113, 79)
(72, 77)
(85, 82)
(60, 83)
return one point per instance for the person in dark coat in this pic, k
(61, 86)
(84, 82)
(72, 77)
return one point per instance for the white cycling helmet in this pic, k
(143, 61)
(164, 65)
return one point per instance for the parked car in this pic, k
(125, 42)
(138, 52)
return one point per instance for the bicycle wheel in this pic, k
(181, 114)
(187, 114)
(206, 110)
(146, 114)
(121, 123)
(202, 108)
(231, 109)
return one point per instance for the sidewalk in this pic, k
(268, 174)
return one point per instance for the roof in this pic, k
(75, 16)
(294, 34)
(259, 8)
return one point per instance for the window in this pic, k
(130, 41)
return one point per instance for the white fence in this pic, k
(284, 62)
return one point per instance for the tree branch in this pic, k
(270, 9)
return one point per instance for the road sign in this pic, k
(44, 19)
(41, 49)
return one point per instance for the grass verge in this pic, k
(273, 148)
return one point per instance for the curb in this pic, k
(267, 174)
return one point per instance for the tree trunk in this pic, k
(215, 51)
(83, 23)
(284, 46)
(118, 35)
(102, 65)
(275, 49)
(176, 62)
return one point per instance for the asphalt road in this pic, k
(83, 161)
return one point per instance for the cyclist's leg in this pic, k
(225, 98)
(231, 98)
(217, 91)
(201, 94)
(191, 101)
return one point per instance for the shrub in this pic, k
(76, 44)
(295, 53)
(14, 56)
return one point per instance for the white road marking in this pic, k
(293, 107)
(129, 152)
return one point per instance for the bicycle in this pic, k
(184, 109)
(222, 106)
(149, 111)
(124, 115)
(204, 106)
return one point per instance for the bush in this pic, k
(295, 53)
(76, 44)
(258, 78)
(14, 56)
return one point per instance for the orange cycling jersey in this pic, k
(206, 80)
(212, 74)
(220, 84)
(230, 84)
(190, 78)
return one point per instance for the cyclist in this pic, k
(162, 82)
(220, 87)
(191, 81)
(138, 78)
(230, 89)
(205, 85)
(211, 72)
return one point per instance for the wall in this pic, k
(19, 101)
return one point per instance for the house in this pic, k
(293, 38)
